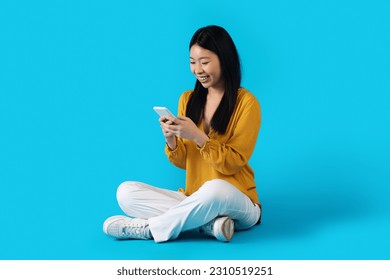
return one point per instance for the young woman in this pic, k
(212, 138)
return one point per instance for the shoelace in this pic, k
(135, 230)
(207, 228)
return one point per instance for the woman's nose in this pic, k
(198, 68)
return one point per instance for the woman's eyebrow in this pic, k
(203, 57)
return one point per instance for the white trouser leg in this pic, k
(215, 198)
(141, 200)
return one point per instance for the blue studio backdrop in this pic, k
(78, 80)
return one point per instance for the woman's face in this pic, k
(206, 67)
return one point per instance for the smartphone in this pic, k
(163, 111)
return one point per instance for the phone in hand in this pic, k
(163, 111)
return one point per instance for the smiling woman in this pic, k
(212, 138)
(215, 62)
(206, 67)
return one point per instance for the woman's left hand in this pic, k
(184, 127)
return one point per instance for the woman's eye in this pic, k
(192, 62)
(205, 63)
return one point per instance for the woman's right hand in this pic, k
(170, 138)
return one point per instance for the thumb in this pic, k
(182, 118)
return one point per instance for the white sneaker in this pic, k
(123, 227)
(221, 228)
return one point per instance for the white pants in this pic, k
(171, 212)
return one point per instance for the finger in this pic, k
(182, 118)
(166, 125)
(169, 118)
(162, 119)
(166, 132)
(172, 128)
(166, 119)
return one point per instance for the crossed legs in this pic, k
(168, 213)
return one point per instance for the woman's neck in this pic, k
(215, 92)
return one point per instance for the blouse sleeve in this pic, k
(178, 155)
(228, 158)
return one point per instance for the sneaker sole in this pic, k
(227, 230)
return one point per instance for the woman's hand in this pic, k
(170, 138)
(184, 127)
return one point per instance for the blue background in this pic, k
(78, 80)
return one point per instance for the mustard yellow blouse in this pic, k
(222, 156)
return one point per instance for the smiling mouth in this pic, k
(203, 78)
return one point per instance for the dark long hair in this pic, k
(217, 39)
